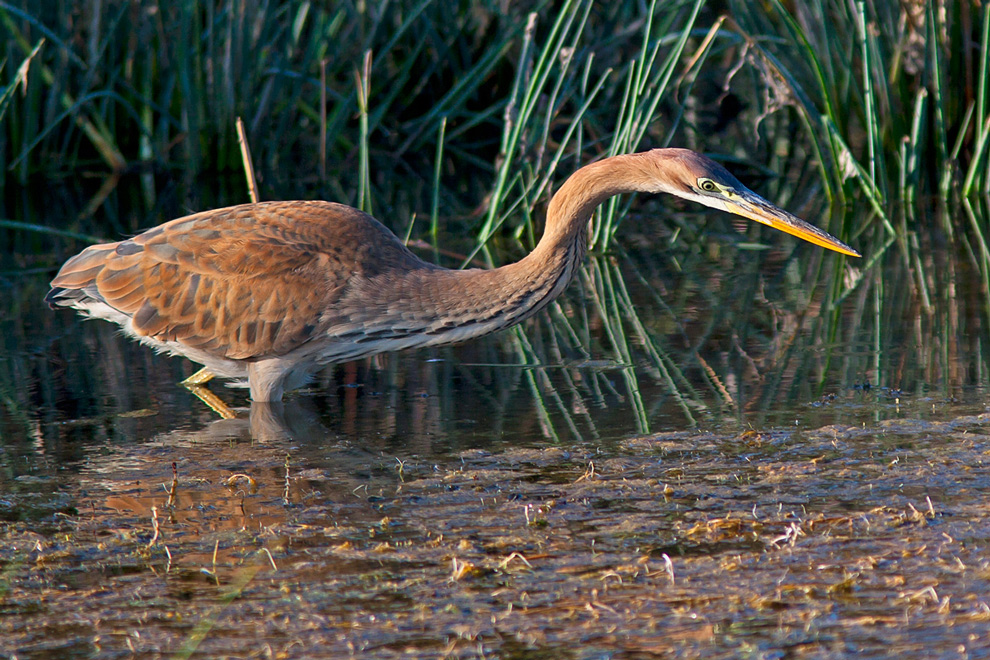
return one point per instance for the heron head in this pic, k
(690, 175)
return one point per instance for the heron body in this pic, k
(271, 291)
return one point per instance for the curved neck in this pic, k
(564, 238)
(571, 207)
(531, 283)
(432, 305)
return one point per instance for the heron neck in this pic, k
(431, 305)
(571, 207)
(543, 274)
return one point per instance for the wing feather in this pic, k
(241, 282)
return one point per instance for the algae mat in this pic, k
(825, 543)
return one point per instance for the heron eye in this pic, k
(707, 185)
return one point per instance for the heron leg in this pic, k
(215, 403)
(197, 385)
(201, 377)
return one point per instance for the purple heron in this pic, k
(271, 291)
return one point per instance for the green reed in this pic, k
(162, 86)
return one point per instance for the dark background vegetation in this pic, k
(460, 118)
(888, 98)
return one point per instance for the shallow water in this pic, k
(829, 541)
(551, 493)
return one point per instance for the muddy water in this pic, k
(815, 542)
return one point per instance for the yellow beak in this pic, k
(750, 205)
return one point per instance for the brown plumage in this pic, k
(271, 291)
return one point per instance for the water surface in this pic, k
(758, 476)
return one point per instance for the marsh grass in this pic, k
(470, 117)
